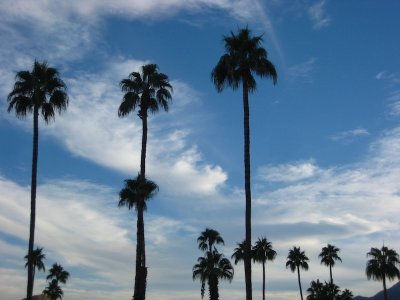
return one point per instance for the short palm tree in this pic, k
(330, 291)
(53, 290)
(382, 265)
(37, 260)
(211, 268)
(208, 238)
(329, 255)
(315, 290)
(346, 295)
(239, 252)
(262, 252)
(58, 274)
(244, 57)
(40, 91)
(146, 91)
(297, 259)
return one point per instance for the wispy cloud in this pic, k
(392, 84)
(349, 135)
(302, 71)
(318, 15)
(288, 172)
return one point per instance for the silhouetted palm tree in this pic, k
(330, 291)
(208, 238)
(148, 91)
(58, 274)
(346, 295)
(244, 58)
(211, 268)
(239, 252)
(382, 265)
(262, 252)
(315, 290)
(37, 260)
(297, 259)
(329, 255)
(53, 290)
(40, 91)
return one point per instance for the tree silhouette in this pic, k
(329, 255)
(346, 295)
(40, 91)
(315, 290)
(37, 260)
(297, 259)
(244, 56)
(211, 268)
(147, 91)
(262, 252)
(208, 238)
(53, 290)
(382, 265)
(58, 274)
(239, 252)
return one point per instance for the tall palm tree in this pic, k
(146, 91)
(329, 255)
(208, 238)
(53, 290)
(58, 274)
(382, 265)
(297, 259)
(244, 57)
(40, 91)
(239, 252)
(262, 252)
(37, 260)
(211, 268)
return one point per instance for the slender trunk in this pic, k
(330, 272)
(298, 276)
(213, 288)
(384, 287)
(33, 201)
(263, 280)
(141, 270)
(247, 258)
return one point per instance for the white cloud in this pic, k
(317, 13)
(288, 172)
(350, 134)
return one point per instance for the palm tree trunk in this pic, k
(247, 258)
(298, 276)
(213, 288)
(263, 280)
(141, 270)
(330, 272)
(384, 287)
(33, 201)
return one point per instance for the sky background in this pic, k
(325, 142)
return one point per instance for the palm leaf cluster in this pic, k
(57, 275)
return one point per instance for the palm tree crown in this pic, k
(134, 190)
(263, 251)
(41, 88)
(329, 255)
(53, 290)
(37, 259)
(382, 265)
(147, 90)
(208, 238)
(58, 273)
(239, 252)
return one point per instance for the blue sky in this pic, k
(325, 142)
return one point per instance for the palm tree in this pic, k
(315, 290)
(239, 252)
(53, 290)
(134, 195)
(382, 265)
(330, 291)
(346, 295)
(329, 255)
(262, 252)
(208, 238)
(297, 259)
(40, 91)
(211, 268)
(58, 274)
(147, 91)
(244, 57)
(37, 260)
